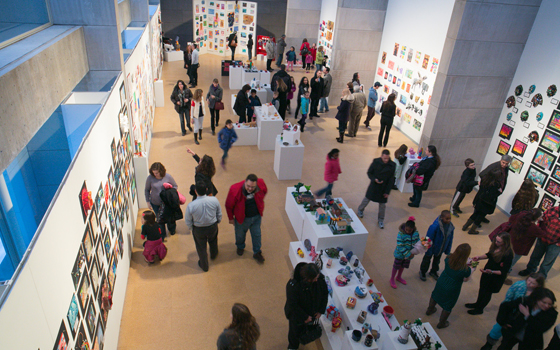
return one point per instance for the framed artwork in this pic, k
(122, 94)
(111, 220)
(94, 276)
(516, 165)
(103, 220)
(111, 182)
(78, 267)
(554, 122)
(114, 152)
(90, 318)
(556, 172)
(102, 313)
(82, 340)
(73, 316)
(553, 188)
(547, 202)
(107, 246)
(83, 293)
(537, 176)
(101, 252)
(519, 148)
(61, 342)
(120, 242)
(505, 131)
(111, 276)
(99, 338)
(99, 199)
(544, 159)
(88, 242)
(550, 141)
(94, 224)
(86, 202)
(503, 147)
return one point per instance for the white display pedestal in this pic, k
(247, 76)
(171, 56)
(263, 95)
(288, 160)
(233, 98)
(264, 77)
(330, 340)
(401, 182)
(269, 128)
(246, 136)
(295, 212)
(393, 344)
(235, 81)
(350, 344)
(158, 89)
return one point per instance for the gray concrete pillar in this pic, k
(302, 21)
(139, 10)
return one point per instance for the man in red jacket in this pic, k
(245, 206)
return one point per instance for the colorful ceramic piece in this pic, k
(533, 136)
(329, 263)
(307, 244)
(349, 255)
(346, 272)
(524, 116)
(551, 91)
(300, 253)
(336, 322)
(343, 261)
(351, 303)
(360, 292)
(369, 282)
(373, 307)
(341, 281)
(518, 90)
(509, 116)
(362, 316)
(539, 116)
(510, 102)
(537, 100)
(532, 89)
(313, 254)
(332, 312)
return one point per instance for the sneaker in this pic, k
(412, 205)
(470, 306)
(240, 251)
(213, 257)
(368, 127)
(196, 142)
(213, 132)
(258, 257)
(183, 133)
(360, 214)
(458, 210)
(422, 275)
(434, 275)
(475, 312)
(524, 273)
(172, 233)
(454, 214)
(380, 223)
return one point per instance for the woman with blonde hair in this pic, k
(197, 114)
(242, 333)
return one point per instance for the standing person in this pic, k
(302, 89)
(202, 217)
(194, 66)
(555, 341)
(280, 46)
(441, 234)
(388, 111)
(343, 113)
(526, 198)
(465, 185)
(323, 102)
(241, 103)
(254, 101)
(500, 256)
(356, 79)
(381, 174)
(360, 102)
(276, 85)
(250, 47)
(485, 200)
(154, 245)
(372, 100)
(308, 61)
(313, 51)
(232, 43)
(180, 97)
(270, 55)
(332, 170)
(171, 207)
(291, 58)
(317, 84)
(448, 286)
(307, 296)
(243, 331)
(537, 315)
(187, 57)
(304, 109)
(427, 167)
(291, 89)
(304, 51)
(400, 160)
(226, 137)
(245, 207)
(154, 186)
(215, 93)
(406, 239)
(503, 166)
(319, 57)
(547, 245)
(204, 172)
(197, 113)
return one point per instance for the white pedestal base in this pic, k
(288, 160)
(171, 56)
(246, 136)
(235, 81)
(401, 182)
(269, 128)
(295, 212)
(158, 89)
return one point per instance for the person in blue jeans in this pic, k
(245, 207)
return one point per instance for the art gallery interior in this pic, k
(85, 111)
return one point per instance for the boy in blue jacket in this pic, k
(226, 137)
(304, 109)
(441, 234)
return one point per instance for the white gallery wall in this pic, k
(419, 28)
(327, 27)
(538, 66)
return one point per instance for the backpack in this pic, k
(305, 51)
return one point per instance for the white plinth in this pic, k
(288, 160)
(171, 56)
(246, 136)
(235, 81)
(401, 182)
(247, 76)
(262, 95)
(264, 77)
(260, 57)
(295, 212)
(350, 344)
(269, 128)
(393, 344)
(330, 340)
(158, 89)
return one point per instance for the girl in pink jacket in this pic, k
(332, 169)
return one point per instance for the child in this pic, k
(254, 101)
(304, 109)
(275, 101)
(406, 239)
(226, 137)
(197, 114)
(332, 169)
(313, 51)
(291, 89)
(400, 160)
(150, 230)
(291, 59)
(441, 234)
(308, 62)
(465, 185)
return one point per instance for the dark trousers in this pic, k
(425, 265)
(386, 125)
(417, 196)
(184, 114)
(298, 109)
(484, 293)
(250, 52)
(282, 107)
(554, 342)
(509, 342)
(268, 63)
(194, 74)
(279, 60)
(457, 199)
(214, 118)
(477, 216)
(370, 115)
(203, 235)
(243, 116)
(303, 61)
(314, 105)
(189, 73)
(294, 331)
(171, 226)
(232, 52)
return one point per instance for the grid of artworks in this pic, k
(525, 112)
(215, 21)
(156, 46)
(326, 39)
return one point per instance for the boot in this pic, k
(392, 281)
(200, 134)
(340, 139)
(431, 308)
(467, 224)
(196, 138)
(443, 319)
(399, 278)
(490, 342)
(473, 230)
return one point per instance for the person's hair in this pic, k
(527, 218)
(201, 188)
(491, 178)
(301, 83)
(250, 35)
(306, 93)
(333, 152)
(251, 177)
(195, 45)
(197, 96)
(157, 166)
(539, 277)
(320, 48)
(216, 81)
(206, 166)
(253, 91)
(282, 86)
(350, 85)
(458, 259)
(229, 121)
(391, 99)
(401, 151)
(149, 217)
(445, 213)
(275, 93)
(282, 66)
(176, 88)
(539, 294)
(355, 78)
(309, 271)
(327, 69)
(304, 40)
(468, 162)
(245, 325)
(433, 151)
(292, 48)
(526, 197)
(246, 88)
(385, 152)
(345, 92)
(410, 223)
(505, 249)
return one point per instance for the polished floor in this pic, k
(174, 305)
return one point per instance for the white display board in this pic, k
(327, 28)
(409, 58)
(214, 21)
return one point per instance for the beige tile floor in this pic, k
(174, 305)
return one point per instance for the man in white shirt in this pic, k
(194, 66)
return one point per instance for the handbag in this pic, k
(411, 173)
(233, 44)
(313, 331)
(218, 105)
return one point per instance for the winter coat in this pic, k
(359, 104)
(313, 52)
(319, 58)
(309, 59)
(383, 172)
(405, 243)
(281, 45)
(269, 48)
(486, 198)
(344, 108)
(332, 169)
(218, 94)
(171, 206)
(316, 88)
(235, 201)
(250, 43)
(177, 96)
(327, 87)
(226, 138)
(388, 110)
(291, 56)
(292, 88)
(281, 74)
(232, 39)
(302, 89)
(305, 299)
(304, 105)
(491, 167)
(307, 46)
(521, 245)
(467, 182)
(200, 177)
(372, 98)
(195, 108)
(427, 167)
(241, 103)
(440, 244)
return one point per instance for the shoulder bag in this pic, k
(312, 332)
(218, 105)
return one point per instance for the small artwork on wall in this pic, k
(380, 71)
(73, 315)
(86, 201)
(553, 188)
(426, 61)
(503, 148)
(556, 172)
(410, 54)
(537, 176)
(396, 50)
(505, 131)
(554, 122)
(391, 65)
(383, 57)
(550, 141)
(519, 148)
(62, 338)
(547, 202)
(516, 165)
(544, 159)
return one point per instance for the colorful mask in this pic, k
(518, 90)
(539, 116)
(532, 89)
(510, 102)
(551, 91)
(509, 115)
(537, 100)
(524, 116)
(533, 136)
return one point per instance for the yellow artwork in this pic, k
(247, 19)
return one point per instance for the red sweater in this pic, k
(523, 244)
(235, 201)
(332, 169)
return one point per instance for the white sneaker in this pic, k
(380, 223)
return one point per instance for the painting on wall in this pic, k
(537, 176)
(547, 202)
(554, 122)
(543, 159)
(83, 292)
(553, 188)
(550, 141)
(556, 172)
(519, 148)
(516, 165)
(78, 266)
(62, 338)
(86, 201)
(503, 147)
(506, 131)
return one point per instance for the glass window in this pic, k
(22, 18)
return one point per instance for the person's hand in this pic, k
(212, 96)
(309, 319)
(317, 315)
(232, 222)
(500, 190)
(486, 271)
(142, 236)
(179, 102)
(475, 258)
(377, 181)
(186, 100)
(507, 325)
(524, 310)
(385, 195)
(190, 151)
(150, 206)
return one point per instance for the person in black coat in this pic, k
(203, 172)
(427, 168)
(465, 185)
(282, 89)
(535, 315)
(344, 113)
(503, 166)
(485, 200)
(317, 86)
(306, 300)
(232, 43)
(388, 111)
(181, 98)
(302, 89)
(381, 172)
(241, 103)
(171, 208)
(250, 47)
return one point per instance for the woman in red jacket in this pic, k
(304, 50)
(332, 169)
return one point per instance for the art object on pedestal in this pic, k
(332, 253)
(329, 263)
(360, 292)
(373, 307)
(537, 100)
(369, 282)
(336, 322)
(362, 317)
(356, 335)
(313, 254)
(510, 102)
(551, 91)
(307, 244)
(404, 332)
(332, 312)
(343, 261)
(341, 281)
(351, 303)
(518, 90)
(300, 252)
(329, 285)
(319, 261)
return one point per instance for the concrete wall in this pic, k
(302, 21)
(481, 54)
(49, 75)
(125, 17)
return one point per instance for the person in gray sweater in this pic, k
(360, 102)
(280, 46)
(154, 185)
